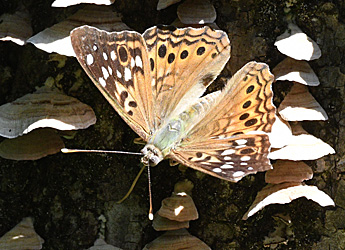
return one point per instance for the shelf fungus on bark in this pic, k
(285, 193)
(281, 133)
(44, 108)
(100, 244)
(56, 38)
(296, 44)
(295, 71)
(179, 207)
(66, 3)
(288, 171)
(32, 146)
(303, 146)
(177, 239)
(196, 12)
(162, 4)
(22, 236)
(15, 27)
(174, 216)
(300, 105)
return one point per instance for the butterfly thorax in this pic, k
(162, 141)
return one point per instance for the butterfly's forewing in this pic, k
(229, 142)
(183, 63)
(118, 65)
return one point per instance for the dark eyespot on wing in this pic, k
(162, 51)
(250, 122)
(200, 51)
(246, 104)
(184, 54)
(250, 89)
(123, 54)
(171, 57)
(152, 64)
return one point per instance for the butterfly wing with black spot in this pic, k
(118, 65)
(229, 141)
(183, 62)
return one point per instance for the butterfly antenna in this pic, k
(150, 193)
(68, 150)
(133, 185)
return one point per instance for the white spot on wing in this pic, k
(105, 73)
(227, 158)
(105, 56)
(238, 173)
(228, 152)
(112, 55)
(102, 81)
(250, 168)
(89, 59)
(132, 62)
(138, 62)
(226, 166)
(94, 47)
(128, 74)
(241, 141)
(217, 170)
(110, 70)
(245, 158)
(118, 73)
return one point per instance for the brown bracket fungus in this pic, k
(288, 171)
(281, 133)
(100, 244)
(177, 239)
(285, 193)
(300, 105)
(296, 44)
(22, 237)
(164, 224)
(44, 108)
(162, 4)
(66, 3)
(15, 27)
(179, 207)
(35, 145)
(57, 39)
(295, 71)
(303, 146)
(196, 12)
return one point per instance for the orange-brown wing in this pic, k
(183, 63)
(230, 140)
(118, 64)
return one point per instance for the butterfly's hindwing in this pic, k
(235, 123)
(229, 159)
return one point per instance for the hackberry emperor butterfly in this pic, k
(155, 80)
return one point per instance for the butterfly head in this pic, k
(152, 155)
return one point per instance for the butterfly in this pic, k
(156, 81)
